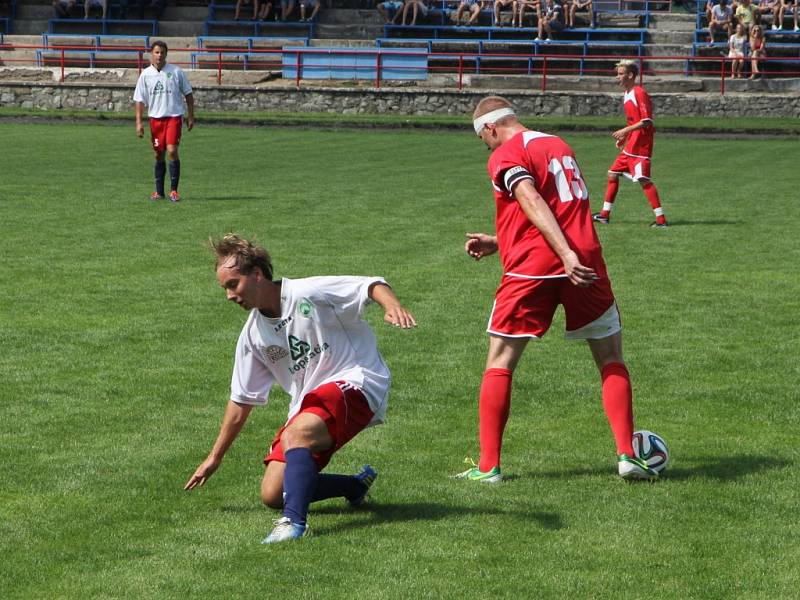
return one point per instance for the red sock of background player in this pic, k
(612, 185)
(652, 197)
(493, 410)
(618, 404)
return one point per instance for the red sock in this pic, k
(618, 404)
(493, 409)
(612, 185)
(651, 193)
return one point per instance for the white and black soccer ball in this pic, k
(652, 449)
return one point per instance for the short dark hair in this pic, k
(248, 255)
(159, 43)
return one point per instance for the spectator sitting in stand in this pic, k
(89, 4)
(579, 5)
(534, 5)
(766, 10)
(266, 8)
(747, 15)
(472, 8)
(314, 4)
(758, 50)
(721, 18)
(417, 7)
(62, 9)
(498, 4)
(553, 20)
(239, 4)
(785, 8)
(287, 6)
(396, 8)
(158, 7)
(736, 51)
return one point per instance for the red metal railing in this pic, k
(462, 64)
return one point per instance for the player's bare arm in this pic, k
(189, 112)
(232, 423)
(139, 109)
(536, 209)
(479, 245)
(394, 312)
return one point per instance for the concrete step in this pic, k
(354, 31)
(670, 37)
(340, 16)
(667, 50)
(672, 22)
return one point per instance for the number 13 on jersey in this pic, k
(569, 183)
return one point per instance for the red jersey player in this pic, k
(551, 255)
(636, 143)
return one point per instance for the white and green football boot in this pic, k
(632, 469)
(493, 475)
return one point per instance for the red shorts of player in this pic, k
(525, 307)
(633, 167)
(165, 132)
(343, 408)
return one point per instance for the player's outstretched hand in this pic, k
(399, 317)
(203, 472)
(577, 273)
(479, 245)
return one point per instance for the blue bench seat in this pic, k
(261, 28)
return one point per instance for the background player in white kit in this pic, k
(308, 336)
(162, 88)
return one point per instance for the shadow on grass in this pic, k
(705, 222)
(225, 198)
(374, 514)
(727, 468)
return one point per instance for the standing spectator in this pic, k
(314, 4)
(63, 9)
(552, 20)
(417, 7)
(162, 88)
(550, 255)
(309, 337)
(758, 50)
(240, 3)
(390, 10)
(635, 142)
(579, 5)
(721, 18)
(746, 15)
(736, 51)
(88, 5)
(534, 5)
(472, 8)
(786, 7)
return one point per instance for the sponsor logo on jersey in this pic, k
(305, 307)
(159, 88)
(275, 353)
(311, 354)
(299, 348)
(282, 324)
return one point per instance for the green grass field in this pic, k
(118, 345)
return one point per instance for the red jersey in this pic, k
(637, 107)
(550, 163)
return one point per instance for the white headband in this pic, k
(491, 117)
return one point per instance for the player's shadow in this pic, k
(705, 222)
(726, 468)
(232, 198)
(377, 513)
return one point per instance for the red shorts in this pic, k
(635, 167)
(343, 408)
(165, 132)
(525, 307)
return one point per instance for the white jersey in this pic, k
(162, 91)
(320, 337)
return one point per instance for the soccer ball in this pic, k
(652, 449)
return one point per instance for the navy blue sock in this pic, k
(161, 172)
(299, 483)
(174, 174)
(335, 486)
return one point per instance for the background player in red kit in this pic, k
(551, 255)
(636, 143)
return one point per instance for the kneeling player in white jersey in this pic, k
(308, 336)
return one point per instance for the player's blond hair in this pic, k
(248, 255)
(490, 103)
(630, 66)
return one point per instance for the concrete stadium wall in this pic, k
(117, 98)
